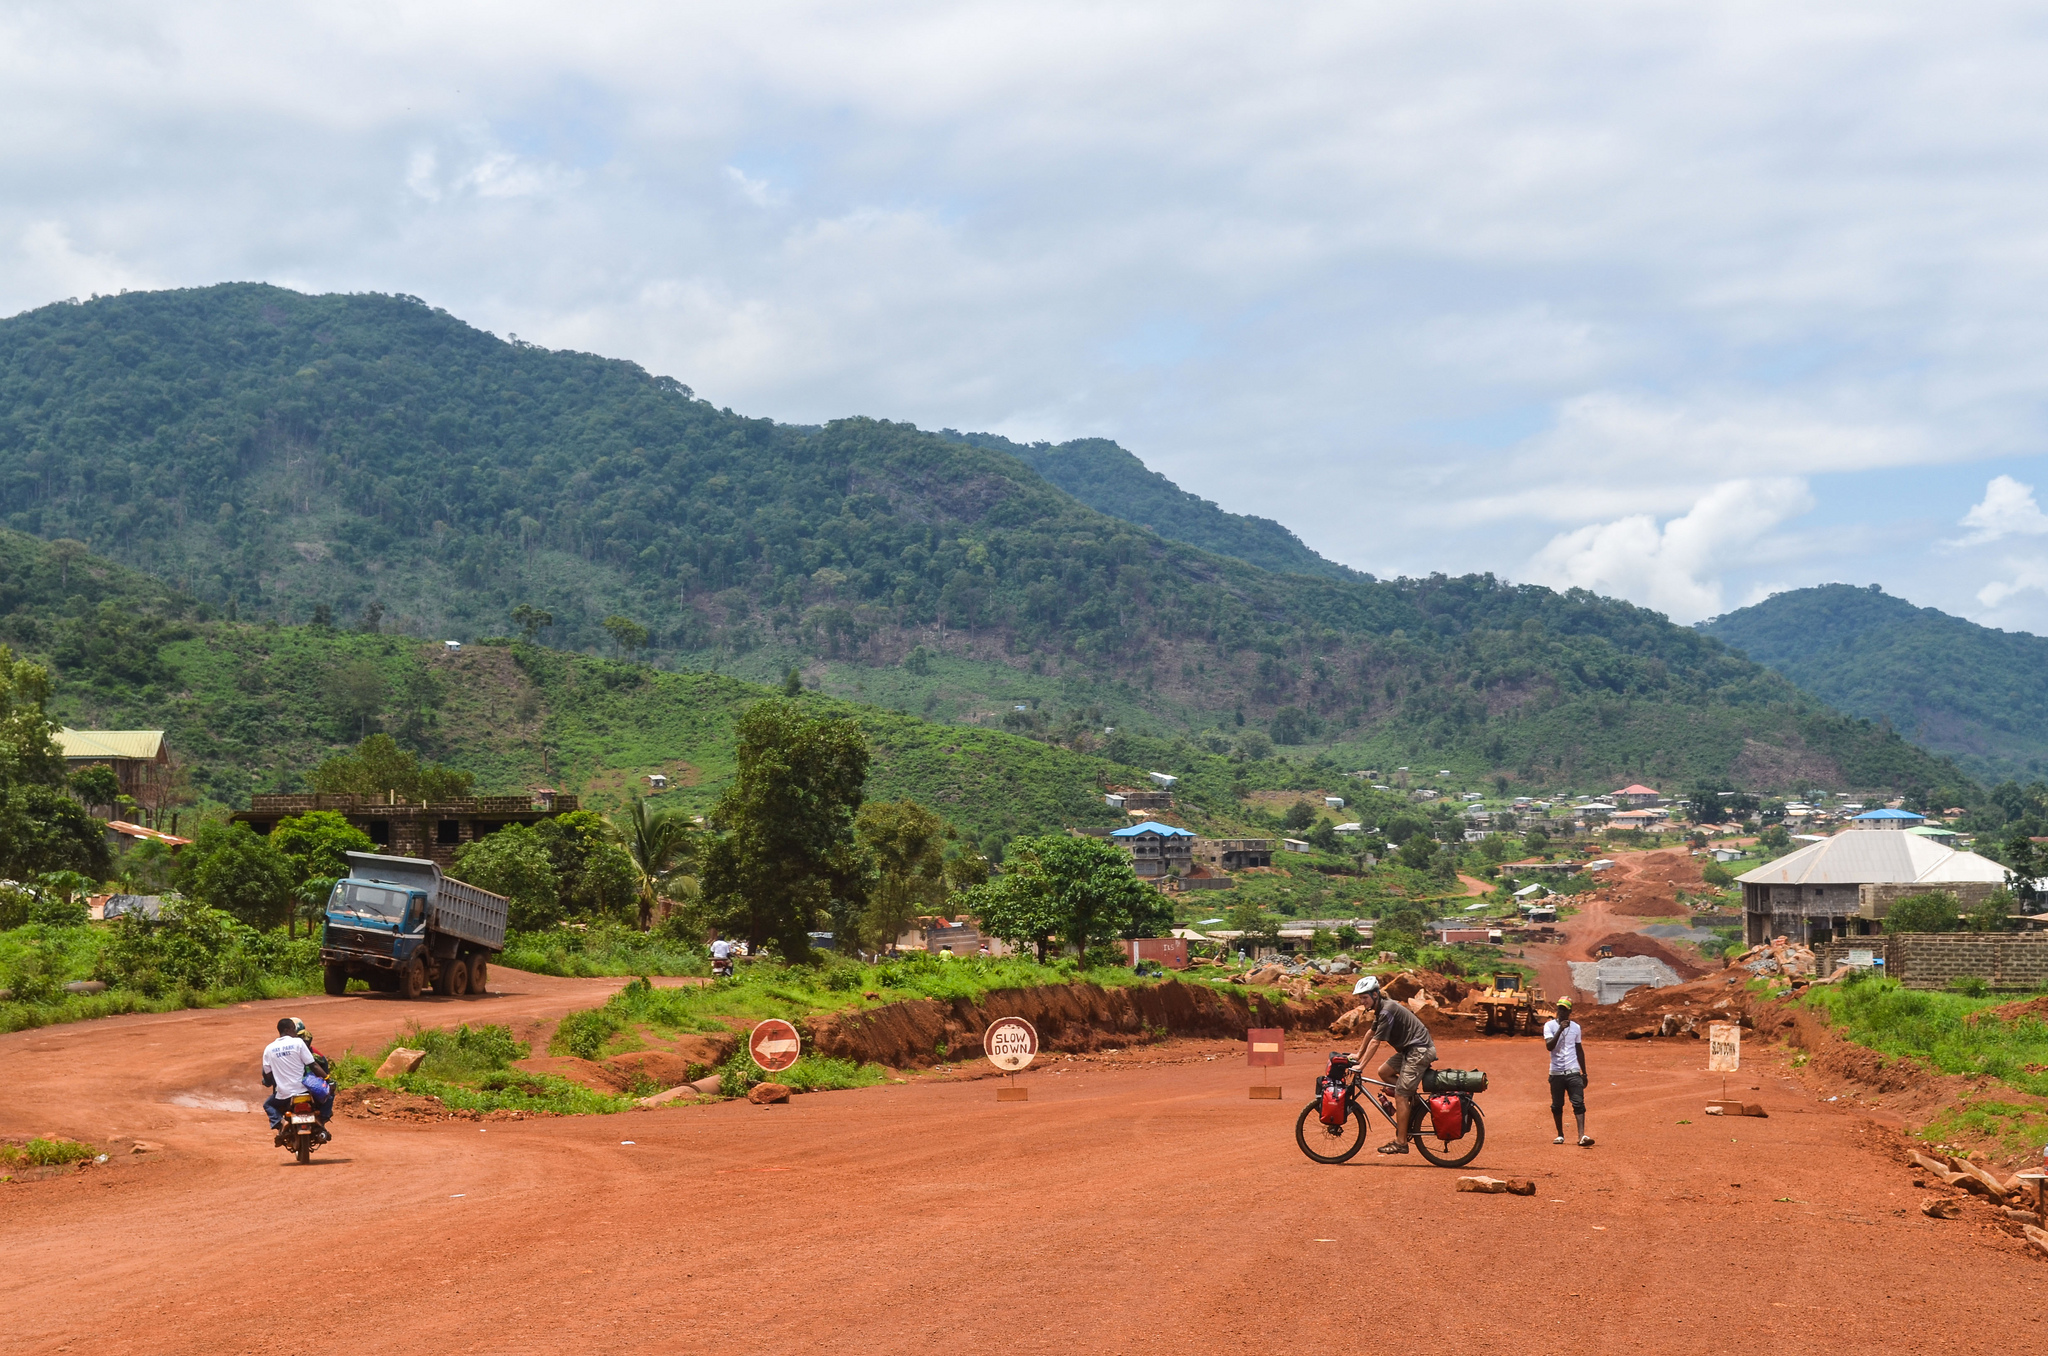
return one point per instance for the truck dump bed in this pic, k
(453, 906)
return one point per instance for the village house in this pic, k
(1156, 848)
(1844, 886)
(141, 760)
(435, 831)
(1233, 854)
(1133, 801)
(1636, 797)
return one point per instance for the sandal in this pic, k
(1394, 1148)
(1585, 1141)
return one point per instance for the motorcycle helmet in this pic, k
(1368, 987)
(299, 1029)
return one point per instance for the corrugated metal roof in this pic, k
(1875, 859)
(1889, 814)
(1163, 830)
(145, 744)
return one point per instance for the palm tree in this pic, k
(660, 844)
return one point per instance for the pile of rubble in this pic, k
(1779, 956)
(2017, 1199)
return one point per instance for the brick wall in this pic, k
(1929, 960)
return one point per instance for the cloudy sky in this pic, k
(1682, 303)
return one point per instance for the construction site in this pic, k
(1134, 1199)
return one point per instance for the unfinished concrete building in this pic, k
(1843, 886)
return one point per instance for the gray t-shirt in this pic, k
(1402, 1029)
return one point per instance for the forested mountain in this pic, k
(372, 460)
(1110, 480)
(1977, 694)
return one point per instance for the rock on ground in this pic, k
(761, 1094)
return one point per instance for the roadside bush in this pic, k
(1970, 986)
(1928, 911)
(1717, 875)
(46, 1153)
(192, 947)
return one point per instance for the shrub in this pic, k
(1970, 986)
(46, 1153)
(1717, 874)
(1928, 911)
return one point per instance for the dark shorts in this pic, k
(1574, 1085)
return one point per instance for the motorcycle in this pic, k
(301, 1131)
(721, 967)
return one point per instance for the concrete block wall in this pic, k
(2005, 960)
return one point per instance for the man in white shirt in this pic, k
(1563, 1039)
(286, 1062)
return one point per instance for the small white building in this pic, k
(657, 781)
(1334, 802)
(1162, 779)
(1296, 845)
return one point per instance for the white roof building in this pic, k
(1844, 885)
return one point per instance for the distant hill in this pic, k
(370, 459)
(1973, 693)
(1110, 480)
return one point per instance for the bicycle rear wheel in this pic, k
(1453, 1153)
(1329, 1143)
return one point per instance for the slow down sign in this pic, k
(775, 1045)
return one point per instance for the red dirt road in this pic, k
(1135, 1203)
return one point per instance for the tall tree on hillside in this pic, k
(784, 854)
(1074, 890)
(904, 843)
(628, 636)
(232, 869)
(660, 844)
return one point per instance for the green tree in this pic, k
(1993, 913)
(379, 767)
(1076, 890)
(27, 752)
(234, 870)
(96, 786)
(793, 682)
(658, 845)
(314, 843)
(784, 853)
(1928, 911)
(42, 829)
(514, 862)
(1323, 837)
(1299, 816)
(531, 621)
(1775, 836)
(358, 691)
(905, 843)
(628, 636)
(592, 870)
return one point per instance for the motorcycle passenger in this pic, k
(721, 957)
(1413, 1052)
(291, 1066)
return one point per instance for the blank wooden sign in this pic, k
(1265, 1048)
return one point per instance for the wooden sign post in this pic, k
(1724, 1056)
(1010, 1043)
(1265, 1048)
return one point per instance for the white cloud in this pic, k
(2007, 509)
(48, 256)
(1675, 569)
(756, 191)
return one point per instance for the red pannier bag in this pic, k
(1447, 1116)
(1332, 1110)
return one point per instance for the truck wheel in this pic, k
(334, 979)
(479, 972)
(441, 977)
(455, 974)
(412, 979)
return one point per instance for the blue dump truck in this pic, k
(400, 925)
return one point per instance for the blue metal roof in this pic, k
(1889, 814)
(1149, 826)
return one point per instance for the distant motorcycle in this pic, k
(721, 967)
(301, 1131)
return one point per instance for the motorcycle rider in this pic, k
(291, 1066)
(1413, 1052)
(721, 957)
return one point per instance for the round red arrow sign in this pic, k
(1010, 1043)
(775, 1045)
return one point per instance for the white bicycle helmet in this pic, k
(1369, 986)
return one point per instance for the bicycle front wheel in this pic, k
(1329, 1143)
(1452, 1153)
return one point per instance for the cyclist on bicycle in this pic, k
(1413, 1053)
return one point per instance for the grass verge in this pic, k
(1951, 1032)
(470, 1069)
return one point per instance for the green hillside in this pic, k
(1110, 480)
(281, 457)
(1975, 694)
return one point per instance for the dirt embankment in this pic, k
(1646, 885)
(1640, 944)
(1074, 1018)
